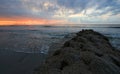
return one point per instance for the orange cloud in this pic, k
(29, 21)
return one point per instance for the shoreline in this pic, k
(28, 63)
(18, 62)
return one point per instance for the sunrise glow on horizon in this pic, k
(29, 21)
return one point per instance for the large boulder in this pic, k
(89, 52)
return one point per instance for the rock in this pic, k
(101, 66)
(88, 52)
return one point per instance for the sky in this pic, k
(40, 12)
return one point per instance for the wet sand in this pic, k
(19, 63)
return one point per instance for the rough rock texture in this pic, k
(89, 52)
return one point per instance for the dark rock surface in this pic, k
(89, 52)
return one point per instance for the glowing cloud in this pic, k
(29, 21)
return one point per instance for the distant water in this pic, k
(37, 39)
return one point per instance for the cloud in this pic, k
(81, 5)
(71, 10)
(11, 8)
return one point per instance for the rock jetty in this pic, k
(89, 52)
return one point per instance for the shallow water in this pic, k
(37, 39)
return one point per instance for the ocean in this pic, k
(25, 48)
(38, 39)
